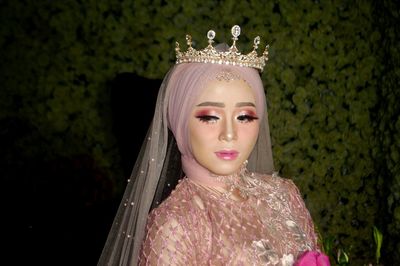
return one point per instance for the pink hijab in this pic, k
(185, 85)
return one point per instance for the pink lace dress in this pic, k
(196, 226)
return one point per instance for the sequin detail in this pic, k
(196, 226)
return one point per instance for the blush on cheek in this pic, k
(249, 135)
(204, 132)
(200, 131)
(249, 129)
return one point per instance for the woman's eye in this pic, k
(247, 118)
(207, 118)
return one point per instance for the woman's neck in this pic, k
(229, 193)
(223, 185)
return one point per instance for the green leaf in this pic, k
(378, 237)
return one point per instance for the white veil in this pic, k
(156, 171)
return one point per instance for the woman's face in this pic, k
(223, 126)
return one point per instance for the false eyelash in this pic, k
(247, 118)
(207, 118)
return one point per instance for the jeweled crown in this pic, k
(230, 57)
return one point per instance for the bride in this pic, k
(229, 207)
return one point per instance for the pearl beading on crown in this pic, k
(230, 57)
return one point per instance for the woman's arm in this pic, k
(167, 243)
(302, 214)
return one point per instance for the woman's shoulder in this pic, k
(181, 204)
(274, 178)
(277, 182)
(176, 220)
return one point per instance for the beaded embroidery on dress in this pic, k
(197, 226)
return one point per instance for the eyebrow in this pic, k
(219, 104)
(241, 104)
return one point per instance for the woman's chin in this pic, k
(225, 169)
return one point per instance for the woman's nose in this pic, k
(228, 131)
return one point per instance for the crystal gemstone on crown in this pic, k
(231, 57)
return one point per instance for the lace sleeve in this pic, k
(178, 231)
(300, 211)
(167, 242)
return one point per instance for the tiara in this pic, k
(230, 57)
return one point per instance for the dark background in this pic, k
(59, 212)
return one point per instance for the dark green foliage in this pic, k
(321, 86)
(331, 81)
(387, 156)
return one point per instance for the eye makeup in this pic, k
(206, 116)
(247, 116)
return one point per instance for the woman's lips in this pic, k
(227, 154)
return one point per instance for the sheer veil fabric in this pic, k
(155, 173)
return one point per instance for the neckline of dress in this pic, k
(226, 195)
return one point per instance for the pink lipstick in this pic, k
(227, 154)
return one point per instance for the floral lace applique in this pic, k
(268, 256)
(265, 253)
(287, 260)
(299, 234)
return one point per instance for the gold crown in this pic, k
(230, 57)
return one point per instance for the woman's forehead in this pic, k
(221, 90)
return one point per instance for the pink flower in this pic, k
(312, 258)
